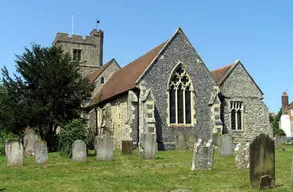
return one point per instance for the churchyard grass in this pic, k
(169, 171)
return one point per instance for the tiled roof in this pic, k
(220, 73)
(290, 106)
(124, 79)
(94, 75)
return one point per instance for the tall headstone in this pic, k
(262, 162)
(181, 141)
(203, 155)
(148, 145)
(41, 152)
(28, 142)
(79, 152)
(104, 147)
(14, 153)
(226, 145)
(242, 155)
(127, 147)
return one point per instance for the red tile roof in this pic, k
(220, 73)
(94, 75)
(124, 79)
(290, 106)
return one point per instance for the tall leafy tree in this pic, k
(47, 90)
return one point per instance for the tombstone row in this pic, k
(14, 151)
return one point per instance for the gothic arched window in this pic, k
(180, 91)
(102, 80)
(236, 108)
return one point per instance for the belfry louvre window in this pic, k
(76, 54)
(236, 108)
(180, 90)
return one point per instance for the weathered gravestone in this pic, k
(226, 145)
(181, 140)
(28, 142)
(203, 155)
(104, 147)
(185, 140)
(216, 139)
(14, 153)
(242, 155)
(79, 152)
(127, 147)
(148, 145)
(41, 152)
(262, 162)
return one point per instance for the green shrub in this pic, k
(5, 137)
(75, 130)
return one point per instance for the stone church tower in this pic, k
(88, 51)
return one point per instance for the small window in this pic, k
(102, 80)
(236, 108)
(76, 54)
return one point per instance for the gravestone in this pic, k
(190, 140)
(216, 139)
(262, 162)
(28, 142)
(148, 145)
(127, 147)
(104, 147)
(181, 141)
(14, 152)
(79, 152)
(41, 152)
(202, 155)
(242, 155)
(226, 145)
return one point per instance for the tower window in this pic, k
(76, 54)
(180, 97)
(102, 80)
(236, 108)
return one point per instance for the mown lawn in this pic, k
(170, 171)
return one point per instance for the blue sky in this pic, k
(259, 33)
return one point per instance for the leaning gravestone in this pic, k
(14, 152)
(242, 155)
(202, 155)
(127, 147)
(41, 152)
(226, 145)
(28, 142)
(148, 145)
(104, 147)
(79, 152)
(262, 162)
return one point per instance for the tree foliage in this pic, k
(275, 120)
(47, 91)
(75, 130)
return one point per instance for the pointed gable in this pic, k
(220, 74)
(125, 78)
(95, 75)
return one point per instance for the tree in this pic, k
(47, 91)
(275, 120)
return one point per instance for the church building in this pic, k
(167, 91)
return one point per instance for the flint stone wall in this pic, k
(240, 87)
(181, 51)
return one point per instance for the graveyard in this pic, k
(168, 171)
